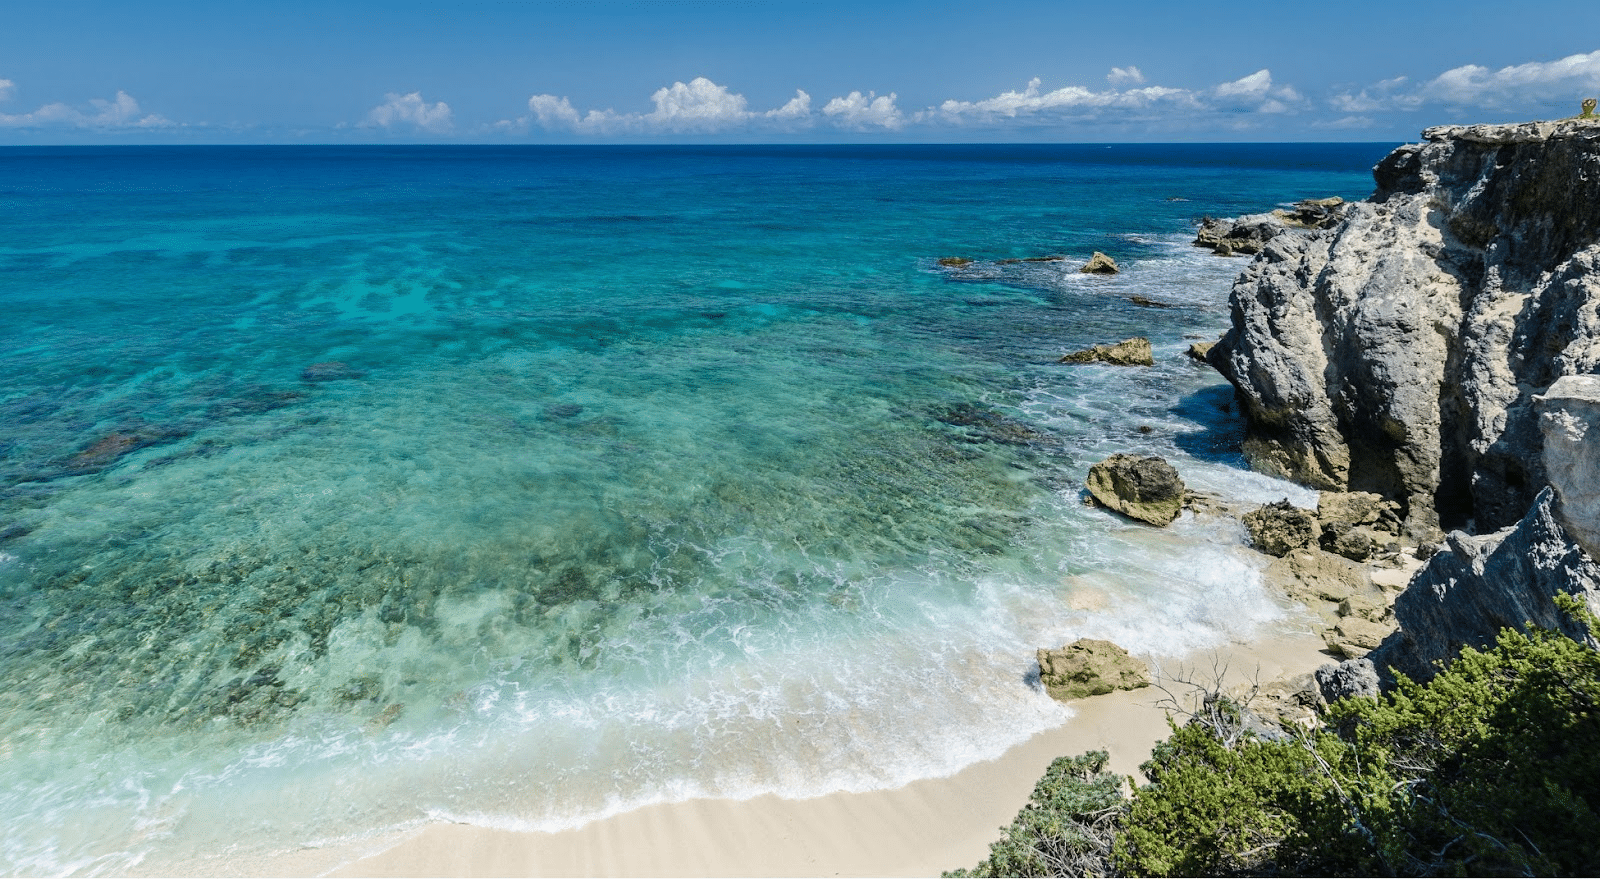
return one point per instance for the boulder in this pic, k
(1279, 528)
(1199, 350)
(1144, 488)
(1100, 264)
(1128, 352)
(1089, 667)
(1353, 678)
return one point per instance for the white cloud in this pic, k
(696, 106)
(859, 111)
(412, 109)
(119, 112)
(1536, 83)
(1253, 93)
(1121, 76)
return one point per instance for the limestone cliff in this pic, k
(1400, 352)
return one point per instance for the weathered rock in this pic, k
(1100, 264)
(1354, 637)
(1479, 585)
(1144, 488)
(1090, 667)
(1356, 524)
(1279, 528)
(1399, 352)
(1569, 418)
(1128, 352)
(1199, 350)
(1250, 233)
(1318, 579)
(1353, 678)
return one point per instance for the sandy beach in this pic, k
(918, 830)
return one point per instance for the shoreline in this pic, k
(920, 829)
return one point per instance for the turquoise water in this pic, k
(343, 489)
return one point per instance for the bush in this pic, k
(1066, 827)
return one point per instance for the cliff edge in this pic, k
(1401, 351)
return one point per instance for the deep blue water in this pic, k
(352, 487)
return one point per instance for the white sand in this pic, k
(917, 830)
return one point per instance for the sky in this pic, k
(782, 71)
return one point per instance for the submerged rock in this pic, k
(1280, 527)
(107, 450)
(1128, 352)
(1144, 488)
(985, 424)
(1100, 264)
(330, 371)
(954, 262)
(1089, 667)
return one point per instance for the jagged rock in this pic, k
(1100, 264)
(1128, 352)
(1280, 528)
(1398, 353)
(1145, 488)
(1313, 213)
(1569, 419)
(1089, 667)
(1479, 585)
(1353, 678)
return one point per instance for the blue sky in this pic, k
(619, 71)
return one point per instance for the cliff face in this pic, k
(1400, 352)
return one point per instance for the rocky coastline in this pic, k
(1428, 358)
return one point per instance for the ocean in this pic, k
(344, 489)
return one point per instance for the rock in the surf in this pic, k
(1144, 488)
(1128, 352)
(1280, 528)
(1100, 264)
(1089, 667)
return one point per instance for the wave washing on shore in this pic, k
(346, 489)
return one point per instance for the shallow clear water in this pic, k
(345, 488)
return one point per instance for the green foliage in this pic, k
(1490, 768)
(1065, 829)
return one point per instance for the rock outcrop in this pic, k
(1144, 488)
(1280, 528)
(1400, 352)
(1249, 234)
(1128, 352)
(1100, 264)
(1090, 667)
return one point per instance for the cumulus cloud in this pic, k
(1121, 76)
(696, 106)
(870, 110)
(1254, 93)
(410, 109)
(1474, 86)
(119, 112)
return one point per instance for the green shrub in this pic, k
(1065, 829)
